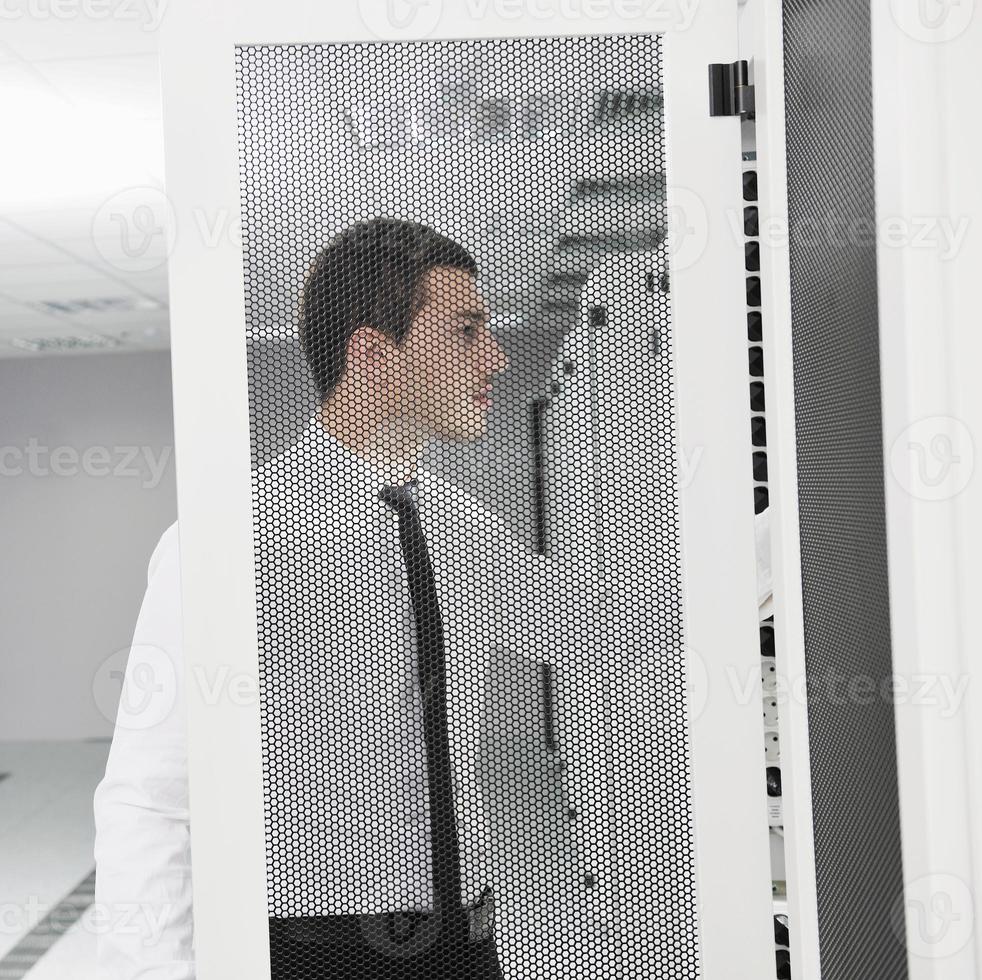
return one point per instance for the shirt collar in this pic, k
(349, 465)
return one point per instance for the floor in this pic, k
(46, 863)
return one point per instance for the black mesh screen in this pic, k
(473, 692)
(840, 488)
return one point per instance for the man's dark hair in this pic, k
(371, 273)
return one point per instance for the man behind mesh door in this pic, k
(376, 867)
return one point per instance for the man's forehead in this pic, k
(457, 288)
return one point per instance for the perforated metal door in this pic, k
(840, 490)
(393, 195)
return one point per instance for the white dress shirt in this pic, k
(340, 704)
(345, 750)
(329, 559)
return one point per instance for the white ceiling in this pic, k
(82, 241)
(83, 215)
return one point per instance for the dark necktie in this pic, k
(444, 844)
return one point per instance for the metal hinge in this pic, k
(729, 92)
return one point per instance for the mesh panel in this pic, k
(840, 488)
(473, 692)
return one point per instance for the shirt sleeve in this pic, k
(142, 834)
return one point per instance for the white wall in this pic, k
(77, 527)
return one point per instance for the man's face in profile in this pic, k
(452, 355)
